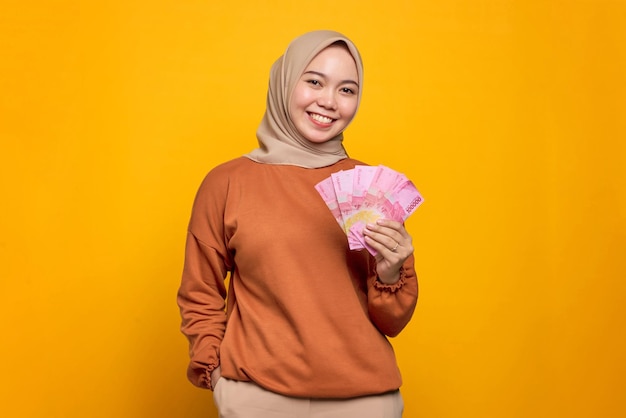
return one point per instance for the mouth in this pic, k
(321, 118)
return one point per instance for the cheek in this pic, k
(348, 107)
(299, 98)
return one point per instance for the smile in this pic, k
(320, 118)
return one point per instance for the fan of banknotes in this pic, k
(364, 194)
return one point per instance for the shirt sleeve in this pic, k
(391, 306)
(202, 292)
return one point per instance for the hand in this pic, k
(215, 376)
(393, 244)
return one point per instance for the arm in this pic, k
(201, 301)
(391, 306)
(202, 292)
(392, 288)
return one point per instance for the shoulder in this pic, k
(218, 180)
(227, 171)
(228, 168)
(351, 162)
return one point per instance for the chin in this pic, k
(316, 138)
(319, 140)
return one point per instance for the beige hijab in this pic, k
(279, 140)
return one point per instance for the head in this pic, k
(314, 92)
(326, 95)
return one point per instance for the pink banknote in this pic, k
(364, 194)
(327, 191)
(342, 183)
(363, 176)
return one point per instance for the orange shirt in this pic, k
(305, 315)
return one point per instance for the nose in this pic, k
(327, 99)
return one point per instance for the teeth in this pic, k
(321, 118)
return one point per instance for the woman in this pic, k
(306, 319)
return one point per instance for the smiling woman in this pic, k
(260, 218)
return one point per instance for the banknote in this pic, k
(363, 175)
(365, 194)
(327, 191)
(342, 183)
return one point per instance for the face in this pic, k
(325, 98)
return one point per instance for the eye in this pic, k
(313, 82)
(347, 90)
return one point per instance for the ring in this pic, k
(393, 250)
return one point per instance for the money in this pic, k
(327, 191)
(364, 194)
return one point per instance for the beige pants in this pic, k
(235, 399)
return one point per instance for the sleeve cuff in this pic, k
(391, 288)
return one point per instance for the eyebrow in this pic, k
(324, 76)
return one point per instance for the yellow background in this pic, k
(508, 115)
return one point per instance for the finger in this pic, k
(392, 228)
(384, 248)
(381, 234)
(383, 243)
(386, 235)
(395, 230)
(392, 247)
(391, 224)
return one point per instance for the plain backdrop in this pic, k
(508, 115)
